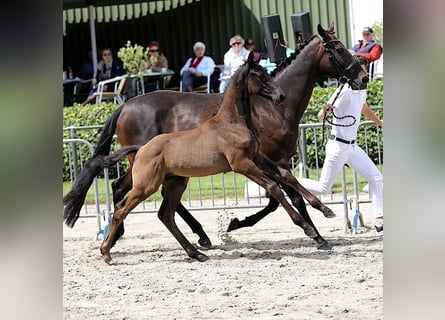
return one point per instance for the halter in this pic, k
(344, 75)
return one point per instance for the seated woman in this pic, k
(156, 61)
(195, 70)
(233, 59)
(107, 68)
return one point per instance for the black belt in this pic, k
(341, 140)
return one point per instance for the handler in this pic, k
(341, 148)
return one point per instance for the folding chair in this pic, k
(117, 95)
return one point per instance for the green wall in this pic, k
(178, 24)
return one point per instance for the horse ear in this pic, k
(325, 33)
(320, 29)
(250, 59)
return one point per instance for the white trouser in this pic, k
(339, 153)
(223, 84)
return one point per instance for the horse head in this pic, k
(257, 81)
(339, 62)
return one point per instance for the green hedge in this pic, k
(79, 116)
(91, 115)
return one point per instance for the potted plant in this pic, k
(133, 57)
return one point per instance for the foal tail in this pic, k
(74, 200)
(112, 159)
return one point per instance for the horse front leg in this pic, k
(283, 174)
(174, 188)
(298, 202)
(250, 170)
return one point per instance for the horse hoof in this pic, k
(379, 227)
(324, 246)
(107, 259)
(233, 225)
(205, 242)
(202, 257)
(329, 214)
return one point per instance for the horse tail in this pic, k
(73, 201)
(118, 155)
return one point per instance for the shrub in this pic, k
(133, 57)
(79, 116)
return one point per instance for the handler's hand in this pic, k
(328, 108)
(325, 110)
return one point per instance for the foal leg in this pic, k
(123, 208)
(174, 188)
(191, 221)
(120, 188)
(288, 182)
(145, 182)
(298, 202)
(250, 170)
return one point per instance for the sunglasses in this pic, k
(106, 54)
(154, 50)
(236, 43)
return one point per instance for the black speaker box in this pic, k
(301, 24)
(273, 34)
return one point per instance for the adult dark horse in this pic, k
(144, 117)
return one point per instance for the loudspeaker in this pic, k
(273, 34)
(301, 24)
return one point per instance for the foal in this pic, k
(226, 142)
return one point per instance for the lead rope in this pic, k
(325, 119)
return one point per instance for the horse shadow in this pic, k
(261, 250)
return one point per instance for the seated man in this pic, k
(195, 70)
(367, 47)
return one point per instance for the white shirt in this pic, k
(349, 102)
(206, 66)
(233, 61)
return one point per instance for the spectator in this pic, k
(156, 61)
(107, 68)
(196, 69)
(341, 148)
(367, 47)
(88, 68)
(250, 45)
(233, 59)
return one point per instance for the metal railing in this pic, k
(225, 190)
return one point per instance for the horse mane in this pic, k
(284, 63)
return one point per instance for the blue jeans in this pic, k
(190, 81)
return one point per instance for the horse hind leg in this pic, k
(194, 224)
(174, 188)
(120, 188)
(251, 220)
(123, 208)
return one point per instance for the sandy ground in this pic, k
(269, 271)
